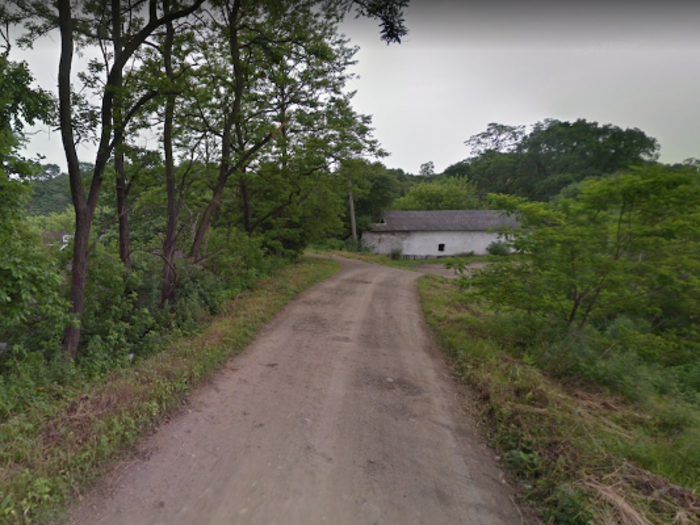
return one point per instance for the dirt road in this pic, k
(341, 412)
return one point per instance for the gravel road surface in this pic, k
(341, 412)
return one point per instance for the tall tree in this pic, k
(540, 162)
(243, 116)
(121, 28)
(294, 181)
(119, 131)
(427, 169)
(85, 205)
(235, 153)
(374, 189)
(174, 201)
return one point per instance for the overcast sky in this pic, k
(465, 64)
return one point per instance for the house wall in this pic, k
(426, 244)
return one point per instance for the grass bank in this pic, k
(579, 454)
(57, 448)
(403, 264)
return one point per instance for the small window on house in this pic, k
(441, 247)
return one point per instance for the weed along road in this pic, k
(340, 412)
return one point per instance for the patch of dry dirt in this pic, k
(341, 412)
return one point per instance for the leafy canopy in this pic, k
(29, 282)
(623, 246)
(553, 154)
(445, 194)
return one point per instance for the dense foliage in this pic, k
(540, 161)
(453, 193)
(583, 345)
(50, 191)
(612, 275)
(31, 305)
(102, 264)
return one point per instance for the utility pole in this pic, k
(353, 226)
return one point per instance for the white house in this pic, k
(426, 234)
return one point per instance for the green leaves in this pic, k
(390, 15)
(21, 104)
(619, 248)
(553, 155)
(29, 282)
(446, 194)
(30, 285)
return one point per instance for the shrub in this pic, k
(33, 311)
(355, 246)
(396, 254)
(498, 248)
(334, 244)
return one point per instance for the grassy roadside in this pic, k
(55, 450)
(574, 451)
(403, 264)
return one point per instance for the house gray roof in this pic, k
(444, 220)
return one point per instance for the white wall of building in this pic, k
(427, 244)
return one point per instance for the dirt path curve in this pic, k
(341, 412)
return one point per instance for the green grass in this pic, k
(579, 454)
(403, 264)
(53, 451)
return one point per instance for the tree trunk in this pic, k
(122, 207)
(245, 204)
(203, 225)
(78, 278)
(122, 187)
(226, 146)
(169, 246)
(85, 206)
(82, 216)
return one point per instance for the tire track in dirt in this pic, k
(340, 412)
